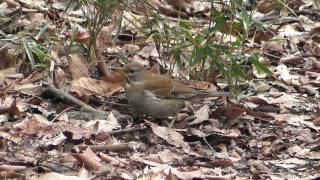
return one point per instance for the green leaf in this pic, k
(176, 54)
(220, 21)
(260, 67)
(246, 20)
(197, 56)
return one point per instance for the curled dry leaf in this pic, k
(89, 160)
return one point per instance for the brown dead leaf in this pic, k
(260, 36)
(35, 18)
(89, 160)
(315, 31)
(316, 121)
(11, 3)
(130, 48)
(231, 112)
(316, 66)
(82, 37)
(7, 59)
(60, 78)
(5, 73)
(192, 174)
(292, 60)
(274, 46)
(78, 66)
(88, 86)
(290, 30)
(115, 78)
(171, 176)
(257, 100)
(34, 124)
(116, 161)
(12, 110)
(266, 6)
(14, 138)
(56, 176)
(82, 175)
(170, 135)
(32, 4)
(163, 157)
(201, 115)
(76, 132)
(221, 163)
(33, 77)
(100, 126)
(149, 51)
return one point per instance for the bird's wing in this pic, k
(163, 87)
(159, 85)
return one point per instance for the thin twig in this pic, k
(61, 113)
(129, 130)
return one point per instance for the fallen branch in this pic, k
(66, 96)
(113, 147)
(129, 130)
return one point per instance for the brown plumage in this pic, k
(157, 95)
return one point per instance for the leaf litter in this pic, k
(270, 132)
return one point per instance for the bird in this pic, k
(157, 95)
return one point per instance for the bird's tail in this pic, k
(212, 94)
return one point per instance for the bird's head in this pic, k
(133, 73)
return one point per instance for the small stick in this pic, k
(66, 96)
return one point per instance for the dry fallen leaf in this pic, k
(201, 115)
(316, 122)
(88, 86)
(78, 66)
(34, 124)
(89, 160)
(170, 135)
